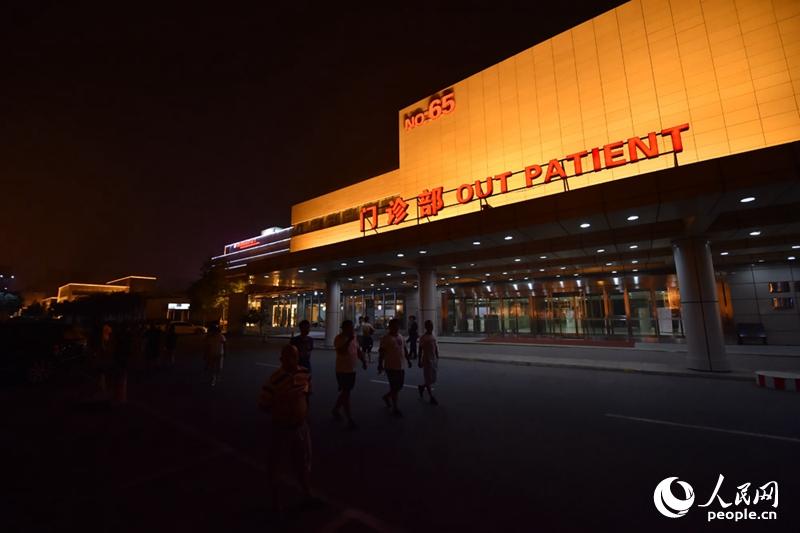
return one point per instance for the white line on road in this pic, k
(707, 428)
(386, 382)
(268, 364)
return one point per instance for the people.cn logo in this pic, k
(667, 503)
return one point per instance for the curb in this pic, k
(580, 366)
(778, 380)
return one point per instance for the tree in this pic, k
(208, 293)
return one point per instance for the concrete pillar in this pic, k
(428, 299)
(333, 314)
(699, 306)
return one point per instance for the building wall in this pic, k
(730, 69)
(752, 301)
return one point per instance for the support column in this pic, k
(333, 314)
(699, 306)
(428, 301)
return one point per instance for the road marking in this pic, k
(387, 383)
(268, 364)
(707, 428)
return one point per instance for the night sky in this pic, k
(140, 140)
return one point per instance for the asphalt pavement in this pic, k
(509, 448)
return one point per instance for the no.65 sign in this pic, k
(437, 107)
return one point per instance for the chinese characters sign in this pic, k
(430, 202)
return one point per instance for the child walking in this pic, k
(428, 361)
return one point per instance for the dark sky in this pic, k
(140, 140)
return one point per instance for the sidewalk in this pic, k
(643, 358)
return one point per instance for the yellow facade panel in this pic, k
(746, 143)
(780, 136)
(789, 119)
(771, 80)
(785, 9)
(627, 72)
(789, 30)
(776, 92)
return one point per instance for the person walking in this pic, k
(391, 353)
(305, 345)
(428, 361)
(170, 343)
(413, 335)
(214, 352)
(123, 348)
(152, 346)
(348, 353)
(365, 339)
(285, 397)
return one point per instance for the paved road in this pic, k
(509, 448)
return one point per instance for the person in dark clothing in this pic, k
(152, 346)
(170, 343)
(123, 348)
(413, 335)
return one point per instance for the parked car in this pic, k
(33, 350)
(187, 328)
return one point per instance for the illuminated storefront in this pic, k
(597, 185)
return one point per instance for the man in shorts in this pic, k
(348, 352)
(391, 355)
(284, 396)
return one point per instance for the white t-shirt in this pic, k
(429, 350)
(346, 354)
(393, 348)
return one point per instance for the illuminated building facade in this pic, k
(634, 177)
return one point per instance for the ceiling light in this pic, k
(423, 251)
(505, 273)
(723, 253)
(791, 258)
(585, 225)
(360, 261)
(633, 217)
(349, 279)
(601, 250)
(388, 275)
(796, 247)
(517, 260)
(613, 271)
(635, 261)
(301, 270)
(609, 264)
(360, 277)
(541, 270)
(452, 266)
(486, 274)
(401, 255)
(508, 237)
(476, 243)
(542, 257)
(343, 264)
(633, 246)
(755, 233)
(457, 277)
(313, 269)
(403, 273)
(636, 270)
(747, 199)
(563, 268)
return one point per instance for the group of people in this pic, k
(285, 395)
